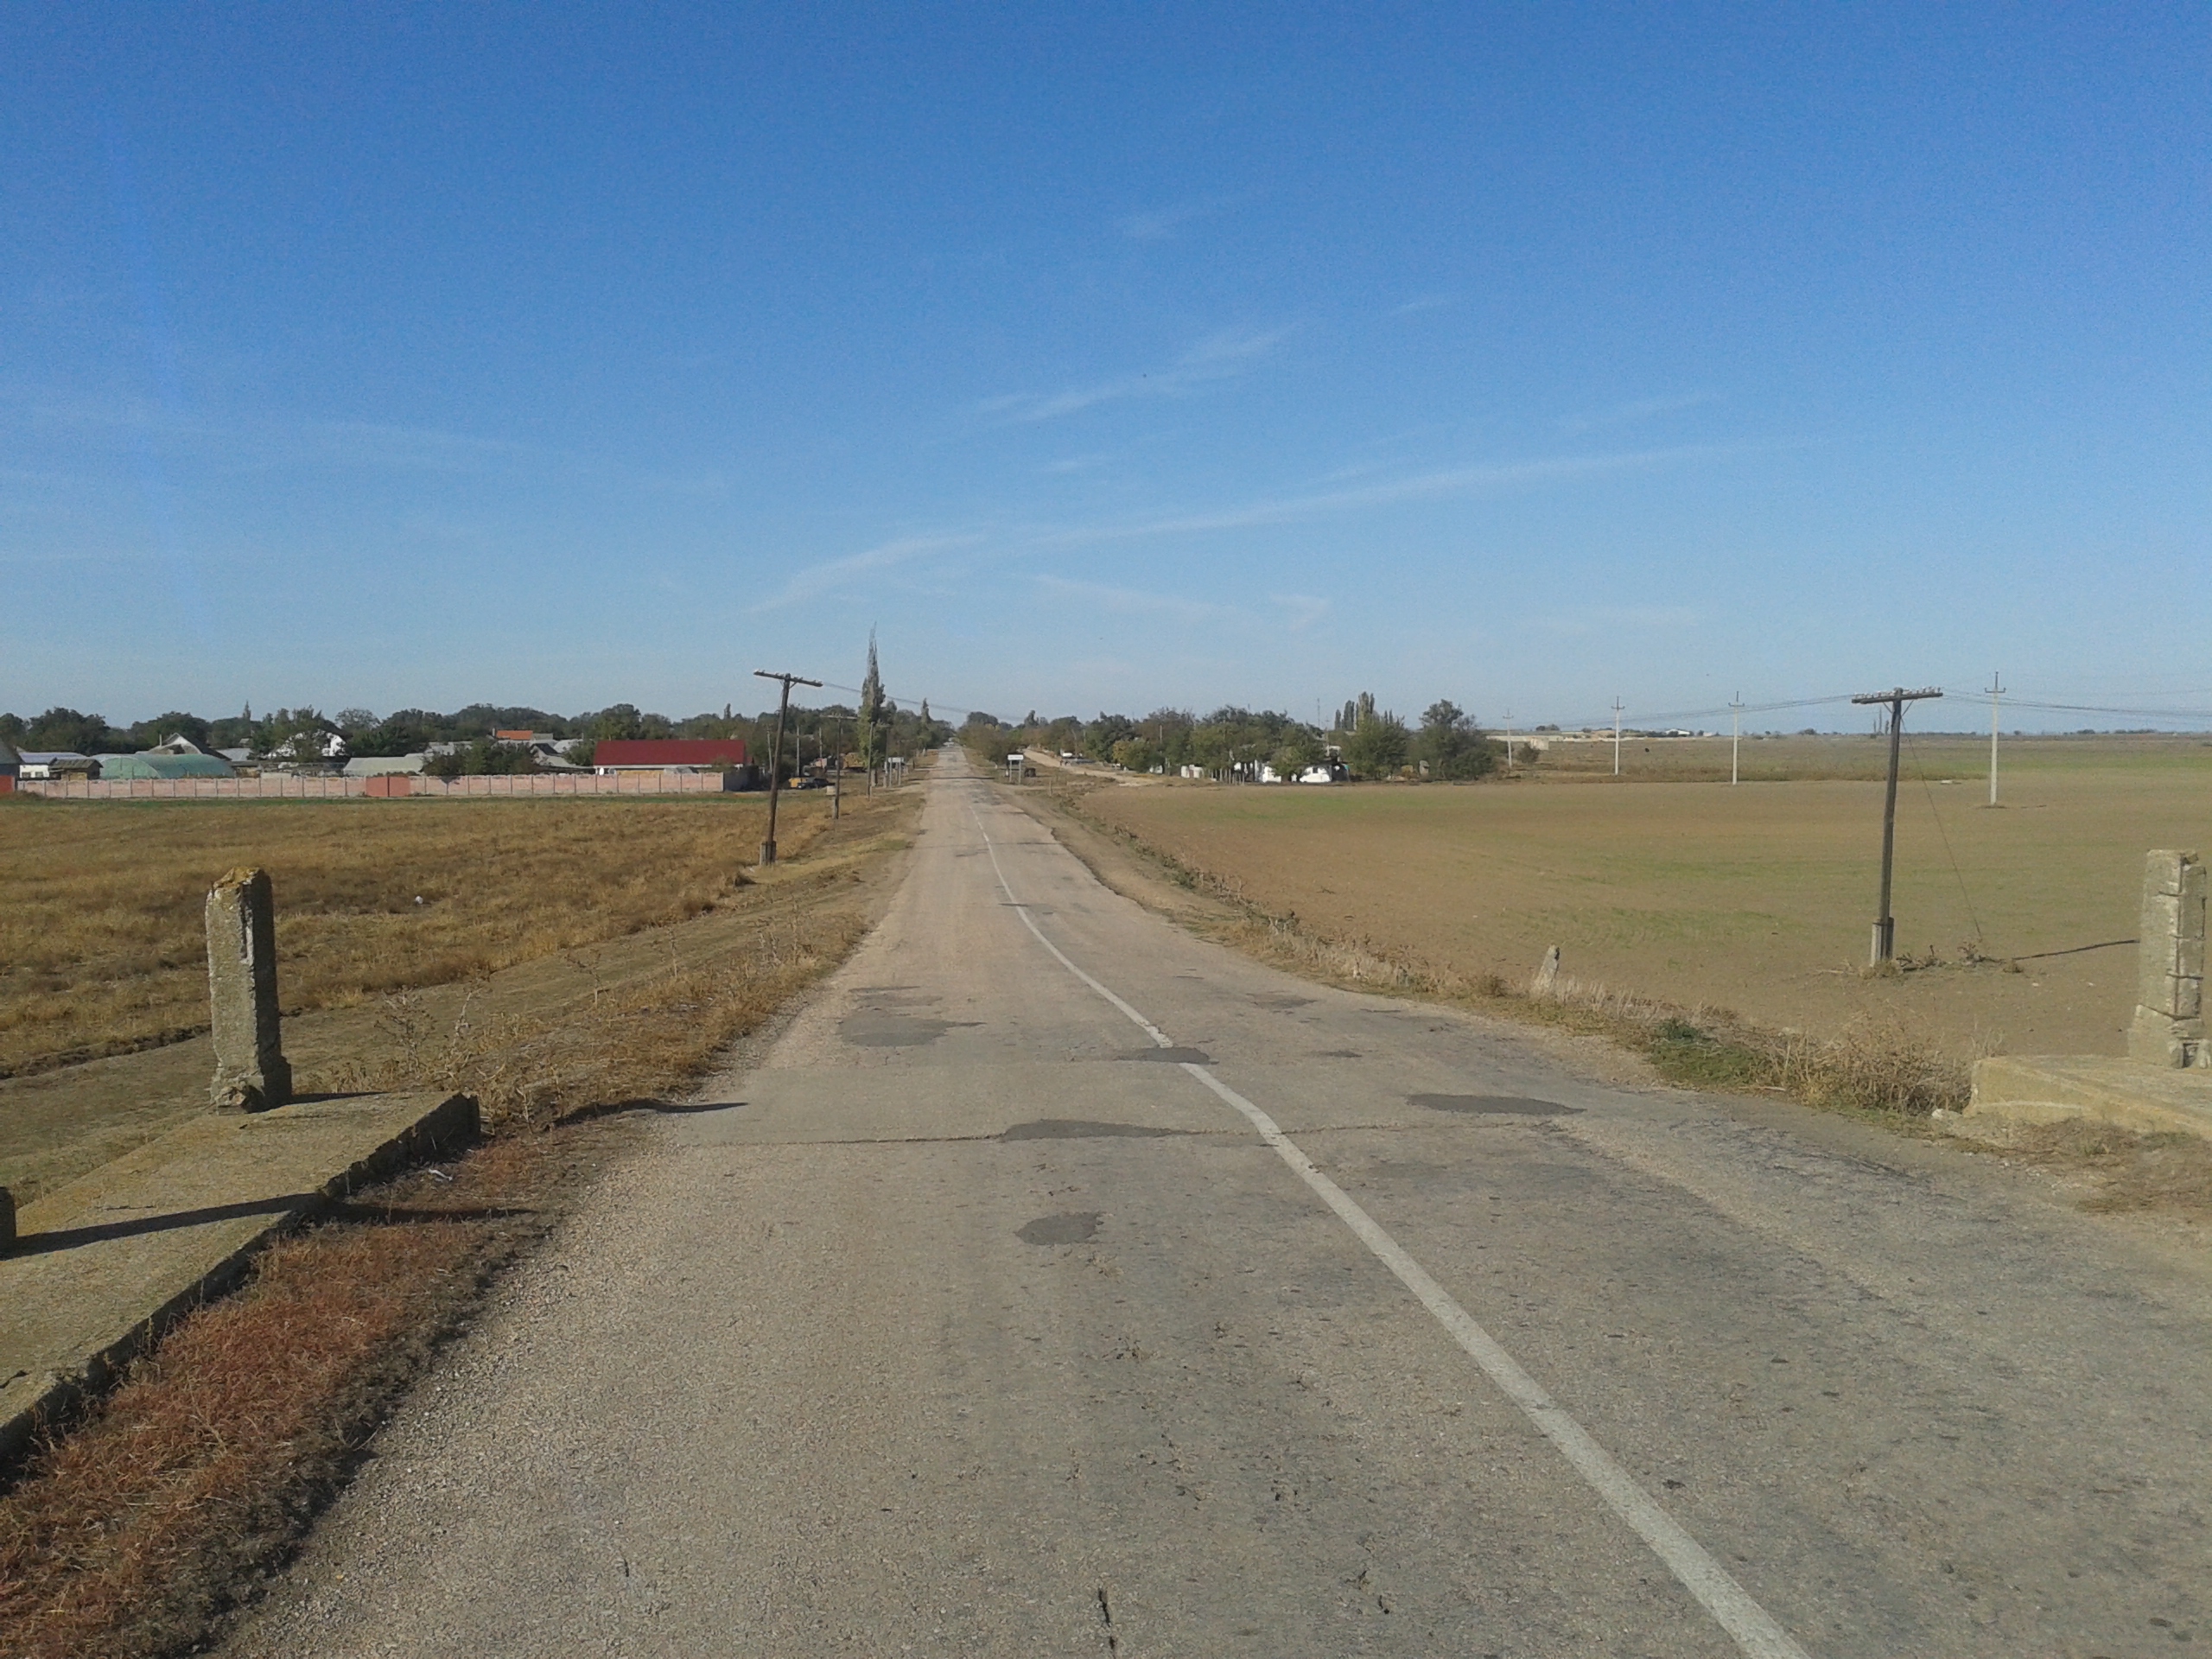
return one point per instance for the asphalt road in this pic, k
(1001, 1311)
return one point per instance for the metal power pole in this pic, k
(1886, 925)
(1996, 690)
(1617, 737)
(1508, 741)
(1735, 738)
(776, 760)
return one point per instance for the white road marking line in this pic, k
(1753, 1628)
(1022, 911)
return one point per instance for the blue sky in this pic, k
(1103, 356)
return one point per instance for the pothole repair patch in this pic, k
(878, 1028)
(1491, 1105)
(1077, 1128)
(1172, 1056)
(1072, 1228)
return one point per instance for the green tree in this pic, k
(65, 730)
(618, 723)
(870, 733)
(1103, 733)
(1377, 747)
(1452, 745)
(1299, 752)
(161, 728)
(1136, 755)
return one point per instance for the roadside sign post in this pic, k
(776, 760)
(1886, 925)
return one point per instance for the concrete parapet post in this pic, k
(251, 1072)
(2169, 1026)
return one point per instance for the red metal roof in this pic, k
(669, 752)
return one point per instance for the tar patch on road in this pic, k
(1072, 1228)
(1490, 1105)
(1172, 1056)
(1077, 1128)
(876, 1029)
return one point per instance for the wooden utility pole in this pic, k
(1886, 925)
(1996, 691)
(1735, 738)
(1617, 737)
(776, 760)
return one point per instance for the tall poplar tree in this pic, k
(871, 709)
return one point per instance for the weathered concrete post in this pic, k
(251, 1072)
(2169, 1026)
(7, 1220)
(1547, 974)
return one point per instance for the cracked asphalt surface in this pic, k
(970, 1322)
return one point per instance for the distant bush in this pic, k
(486, 755)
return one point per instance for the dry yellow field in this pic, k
(101, 942)
(1756, 898)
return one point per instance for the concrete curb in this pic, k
(2147, 1099)
(102, 1268)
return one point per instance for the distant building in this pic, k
(45, 764)
(165, 764)
(384, 766)
(551, 751)
(669, 754)
(11, 765)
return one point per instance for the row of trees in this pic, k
(1235, 742)
(304, 733)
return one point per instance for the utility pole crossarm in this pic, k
(1886, 925)
(776, 760)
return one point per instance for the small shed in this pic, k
(45, 764)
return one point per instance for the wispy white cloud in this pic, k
(832, 574)
(1302, 610)
(1421, 303)
(1639, 408)
(1128, 601)
(1075, 464)
(1220, 357)
(1433, 485)
(259, 443)
(1158, 223)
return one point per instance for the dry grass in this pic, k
(634, 1042)
(101, 943)
(126, 1538)
(2170, 1173)
(131, 1536)
(1756, 898)
(1874, 1065)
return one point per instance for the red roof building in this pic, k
(622, 753)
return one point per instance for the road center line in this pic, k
(1753, 1629)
